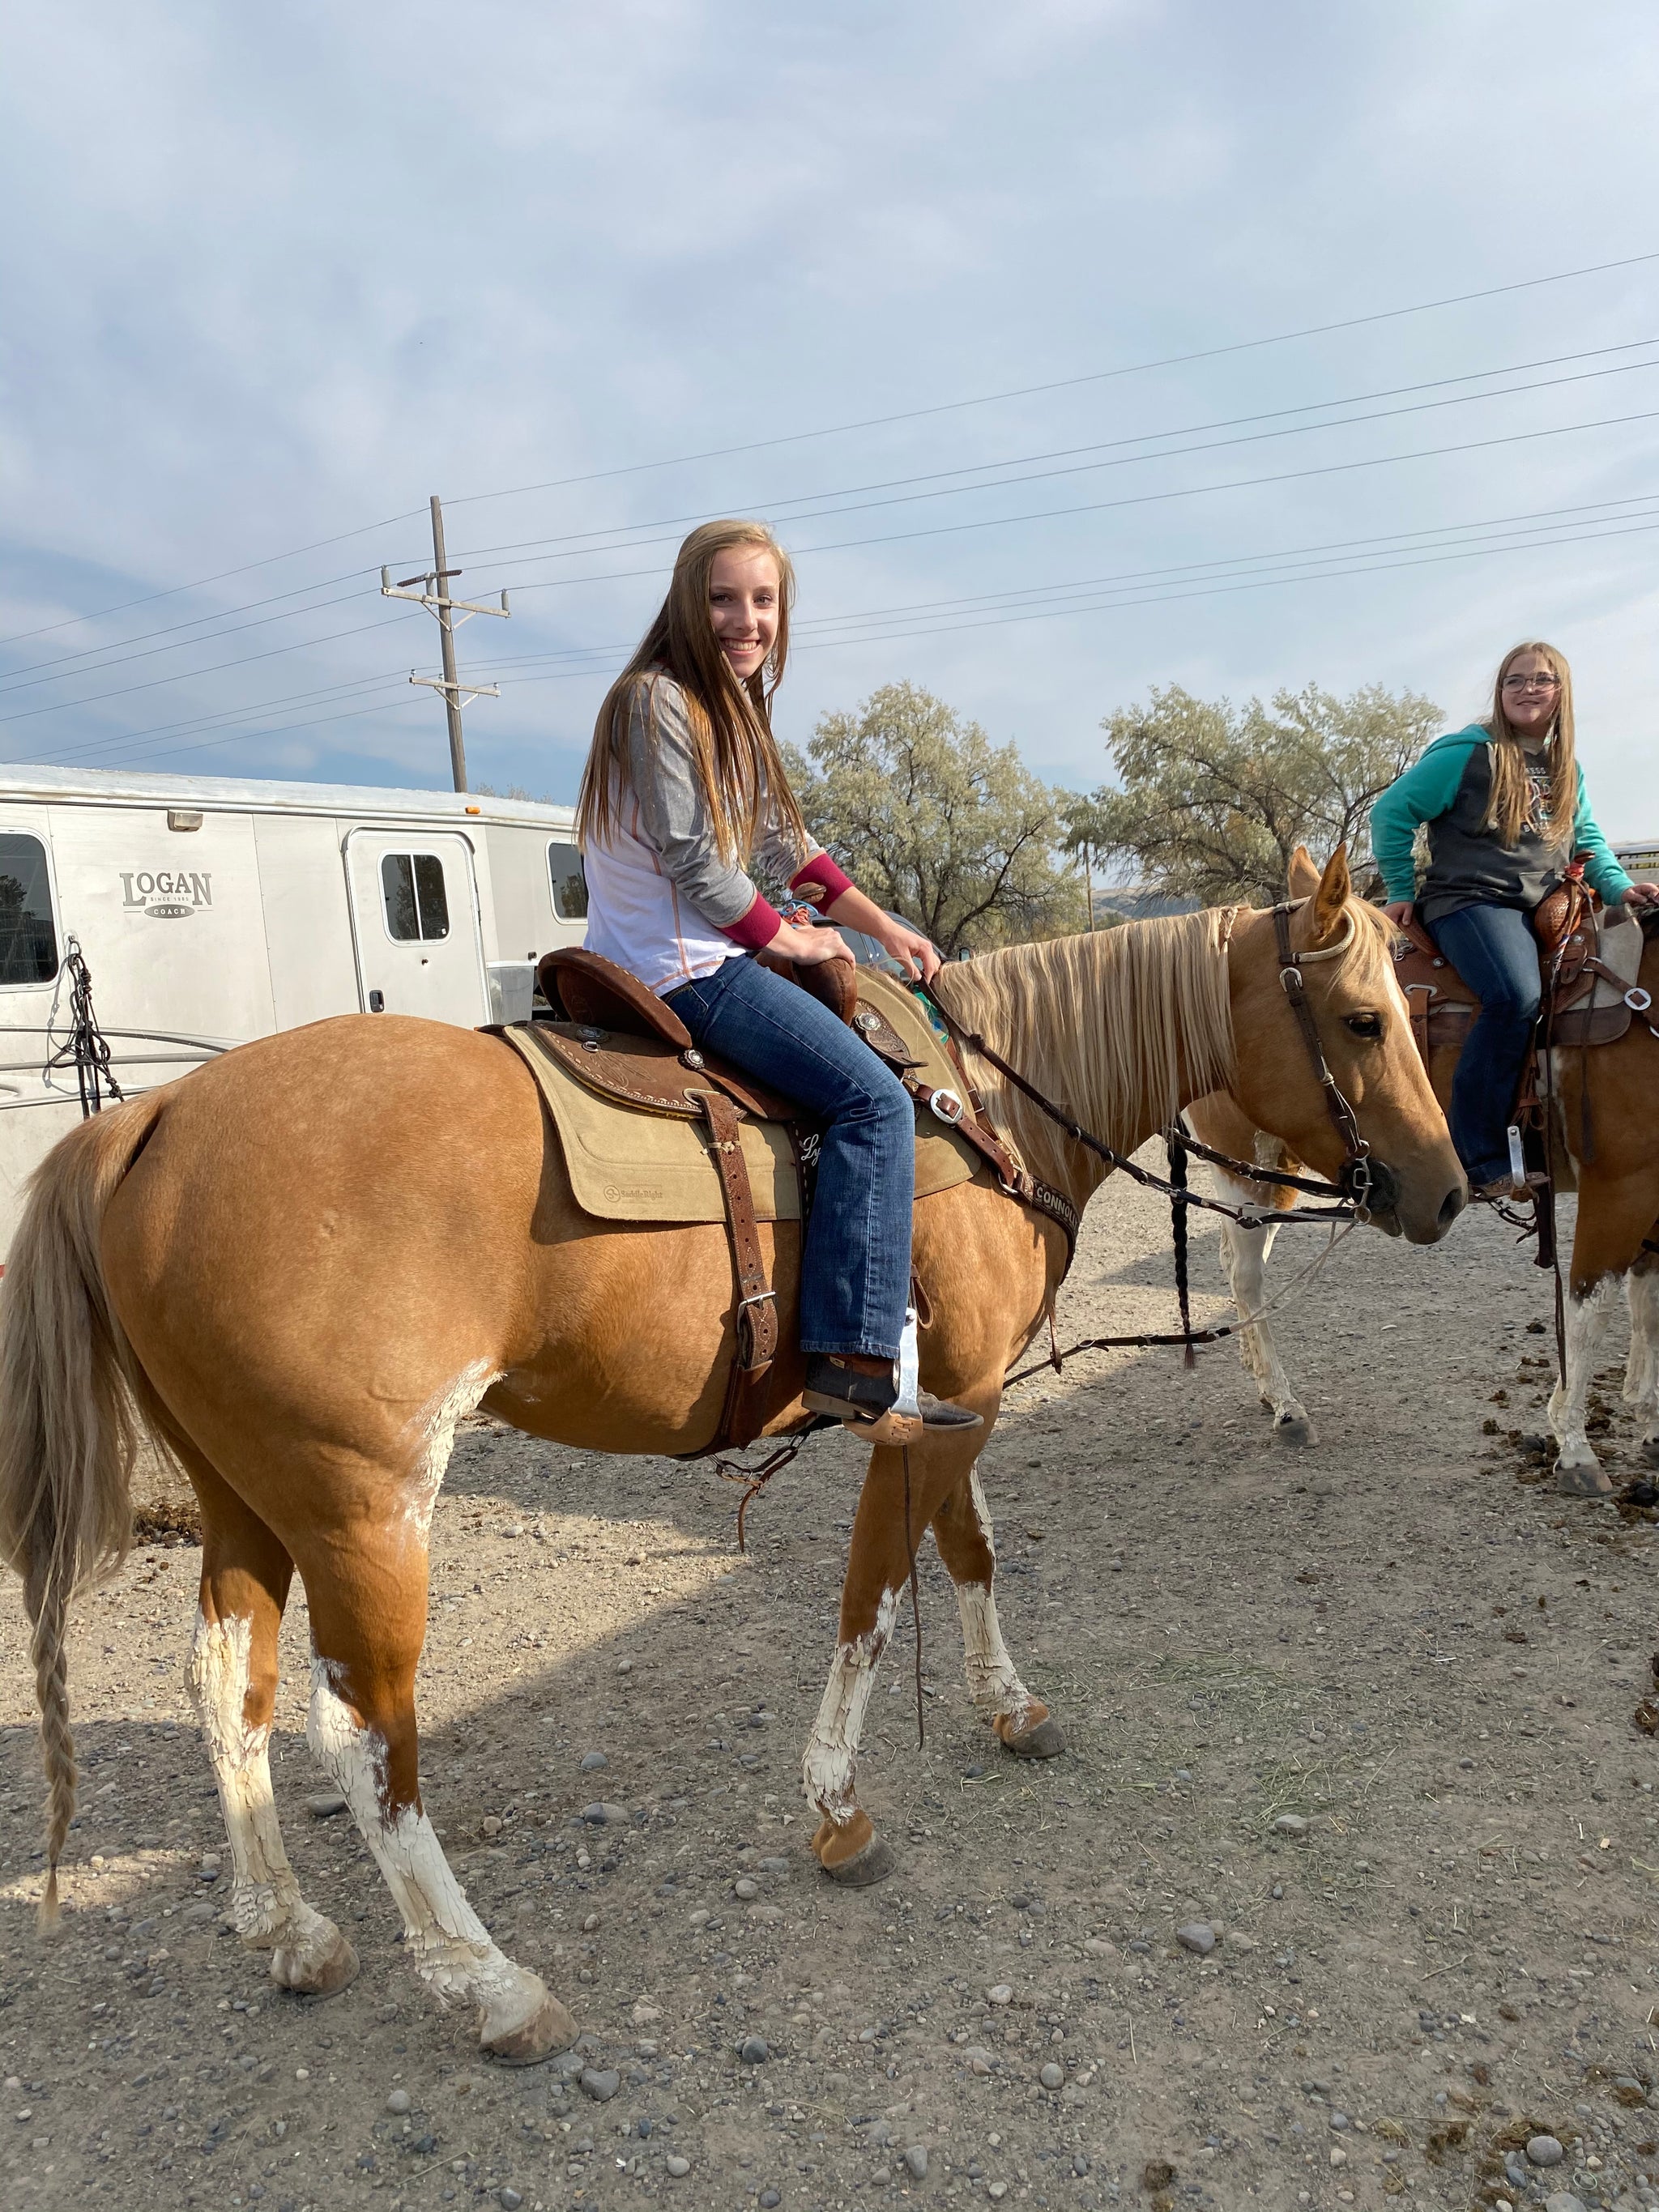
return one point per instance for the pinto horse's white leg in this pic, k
(519, 2021)
(308, 1952)
(1642, 1371)
(1244, 1254)
(829, 1766)
(1578, 1472)
(232, 1673)
(962, 1530)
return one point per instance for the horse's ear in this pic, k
(1331, 896)
(1304, 876)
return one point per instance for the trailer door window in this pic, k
(29, 935)
(412, 887)
(564, 865)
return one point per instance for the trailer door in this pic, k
(414, 917)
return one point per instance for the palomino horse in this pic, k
(432, 1260)
(1612, 1083)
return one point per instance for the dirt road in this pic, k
(1401, 1640)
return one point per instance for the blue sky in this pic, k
(280, 274)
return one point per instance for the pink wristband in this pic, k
(821, 883)
(754, 930)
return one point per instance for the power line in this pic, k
(201, 583)
(579, 539)
(112, 656)
(1069, 383)
(854, 629)
(873, 422)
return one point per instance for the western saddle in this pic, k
(619, 1039)
(1589, 988)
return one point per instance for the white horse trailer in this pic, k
(212, 911)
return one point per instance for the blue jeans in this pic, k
(855, 1265)
(1494, 950)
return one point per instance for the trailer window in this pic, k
(28, 936)
(564, 865)
(412, 886)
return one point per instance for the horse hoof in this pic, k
(852, 1853)
(1572, 1481)
(1295, 1430)
(549, 2028)
(320, 1964)
(1651, 1451)
(865, 1869)
(1044, 1738)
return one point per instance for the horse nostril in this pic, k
(1456, 1200)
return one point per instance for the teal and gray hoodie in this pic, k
(1449, 788)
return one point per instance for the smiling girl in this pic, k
(1506, 809)
(685, 789)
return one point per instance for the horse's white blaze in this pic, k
(434, 1432)
(829, 1761)
(450, 1945)
(993, 1683)
(265, 1899)
(1585, 1321)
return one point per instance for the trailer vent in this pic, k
(184, 818)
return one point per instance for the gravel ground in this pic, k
(1357, 1720)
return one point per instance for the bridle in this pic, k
(1367, 1183)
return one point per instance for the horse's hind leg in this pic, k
(232, 1673)
(962, 1529)
(366, 1632)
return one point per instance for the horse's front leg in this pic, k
(1244, 1256)
(1642, 1370)
(962, 1529)
(877, 1570)
(1578, 1472)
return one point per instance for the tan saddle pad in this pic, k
(639, 1164)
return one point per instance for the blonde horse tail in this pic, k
(69, 1428)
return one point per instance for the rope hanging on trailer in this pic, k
(86, 1045)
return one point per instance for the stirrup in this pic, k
(867, 1404)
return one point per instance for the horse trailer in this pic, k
(209, 911)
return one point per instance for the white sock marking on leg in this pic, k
(829, 1763)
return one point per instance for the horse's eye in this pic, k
(1365, 1025)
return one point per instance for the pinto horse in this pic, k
(300, 1266)
(1610, 1090)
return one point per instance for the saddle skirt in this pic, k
(634, 1133)
(1595, 986)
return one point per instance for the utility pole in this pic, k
(434, 594)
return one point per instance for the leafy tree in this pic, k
(936, 823)
(1212, 799)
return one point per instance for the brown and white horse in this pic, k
(1613, 1088)
(306, 1262)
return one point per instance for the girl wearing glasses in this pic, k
(1506, 810)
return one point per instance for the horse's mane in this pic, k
(1102, 1023)
(1158, 993)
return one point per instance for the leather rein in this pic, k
(1362, 1182)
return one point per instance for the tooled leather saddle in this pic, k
(1573, 959)
(618, 1038)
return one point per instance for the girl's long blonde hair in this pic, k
(736, 757)
(1510, 799)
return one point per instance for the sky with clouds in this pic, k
(993, 311)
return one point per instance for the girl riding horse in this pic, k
(682, 786)
(1506, 809)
